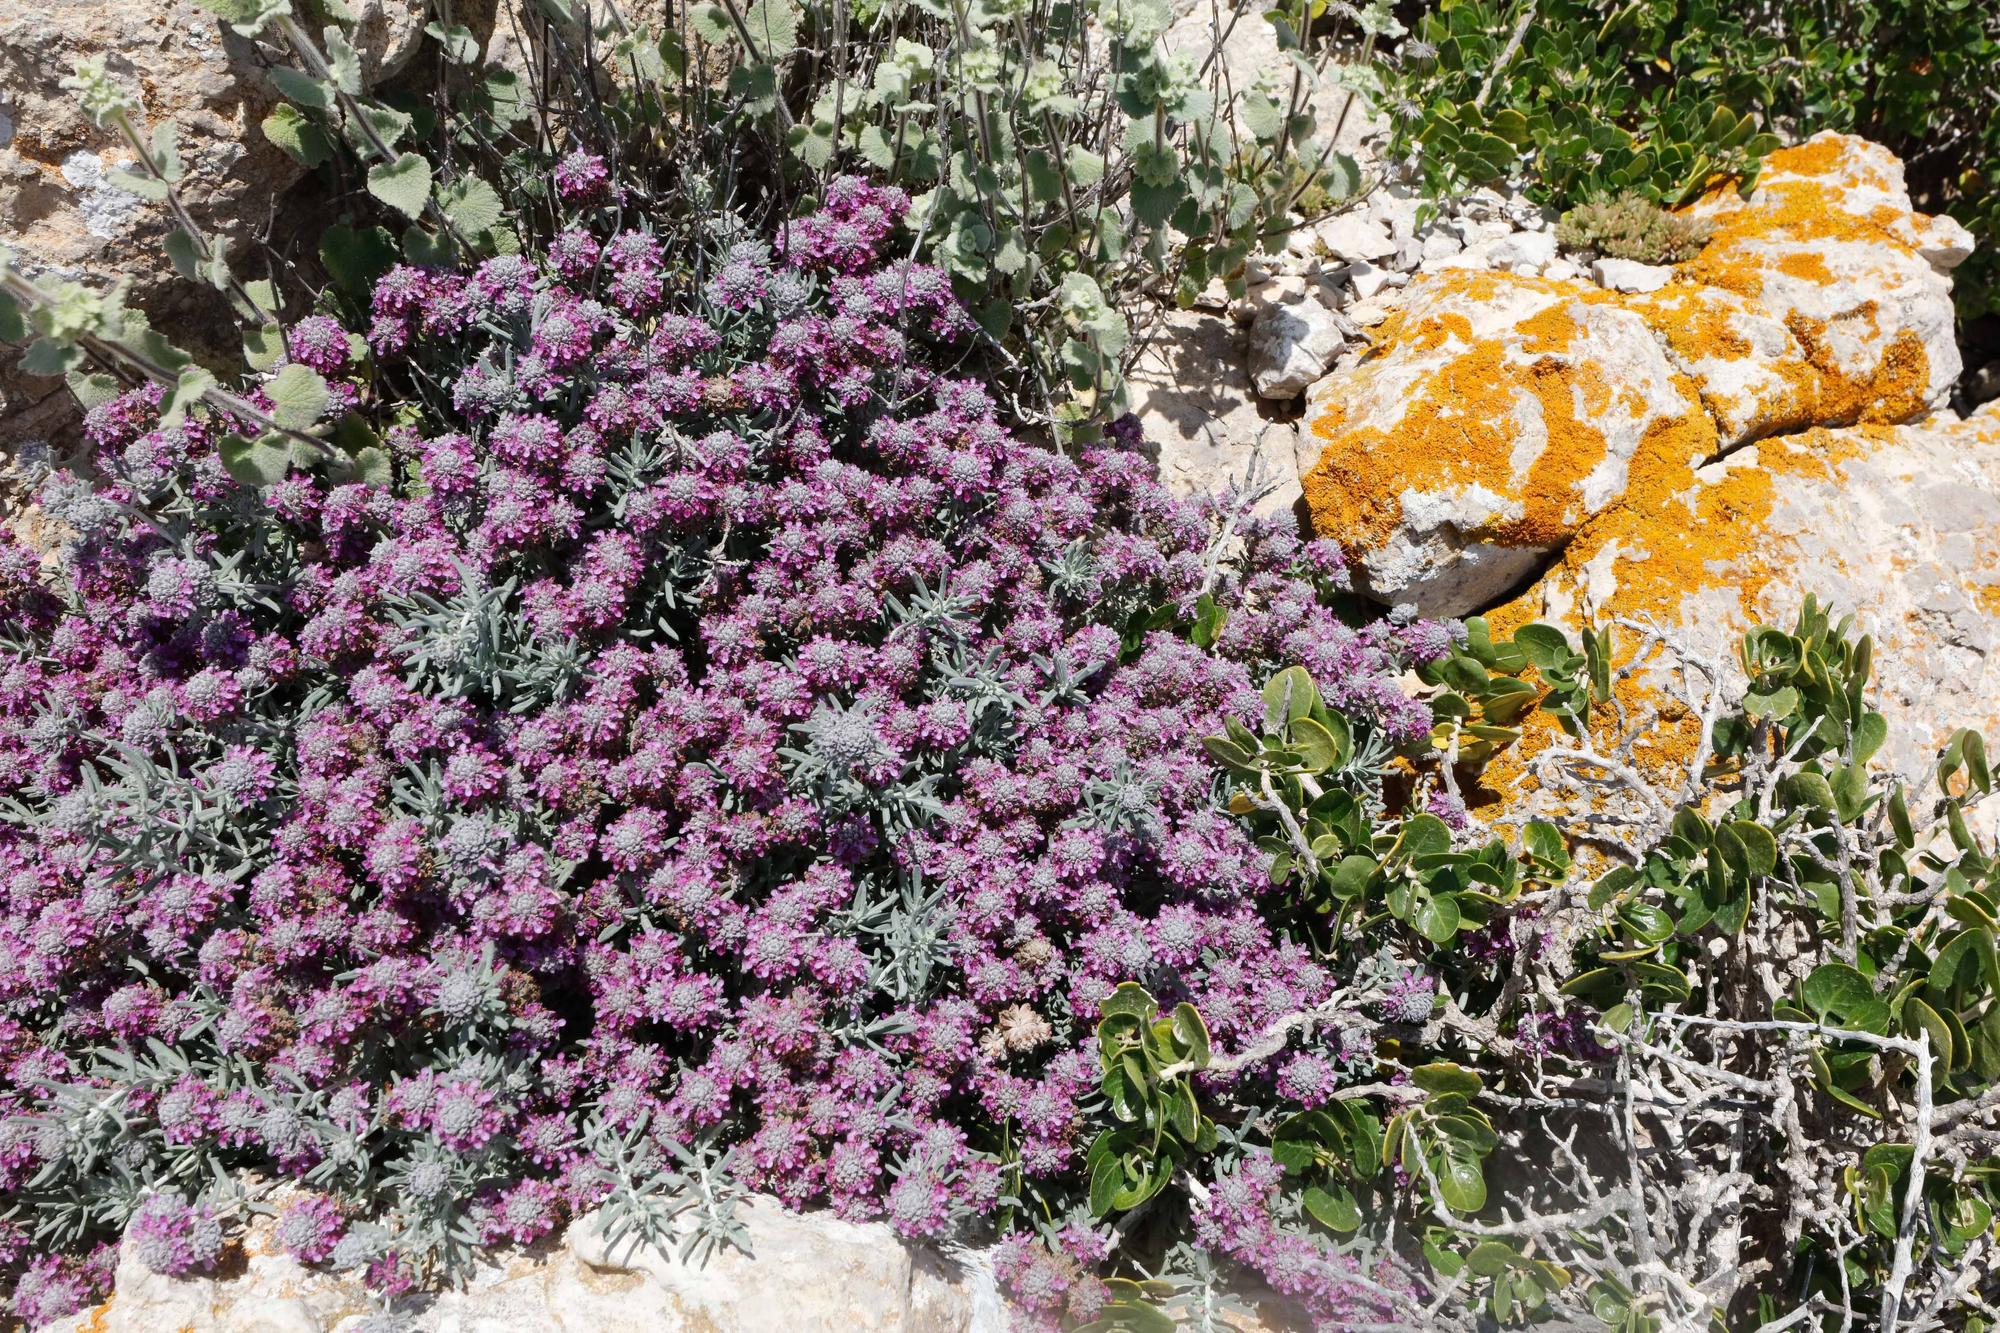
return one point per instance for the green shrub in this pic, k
(1587, 100)
(1590, 99)
(1063, 154)
(1633, 227)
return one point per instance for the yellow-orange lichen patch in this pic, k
(1806, 266)
(1676, 531)
(1521, 413)
(1514, 410)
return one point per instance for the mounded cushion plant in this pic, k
(710, 745)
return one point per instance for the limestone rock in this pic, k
(1493, 416)
(1830, 246)
(1523, 252)
(57, 212)
(1351, 236)
(1291, 345)
(1192, 393)
(1626, 275)
(804, 1274)
(1502, 411)
(1366, 279)
(1898, 525)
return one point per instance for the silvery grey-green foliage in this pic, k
(1065, 154)
(681, 1198)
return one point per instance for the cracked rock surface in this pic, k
(1498, 413)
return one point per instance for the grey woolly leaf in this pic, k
(289, 128)
(166, 150)
(300, 87)
(187, 391)
(298, 395)
(133, 182)
(343, 60)
(876, 148)
(774, 26)
(389, 124)
(49, 357)
(262, 346)
(263, 461)
(711, 24)
(180, 248)
(404, 185)
(472, 205)
(460, 46)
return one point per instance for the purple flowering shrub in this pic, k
(711, 749)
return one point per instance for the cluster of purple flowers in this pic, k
(723, 730)
(1239, 1220)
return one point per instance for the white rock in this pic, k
(1351, 237)
(1835, 251)
(1191, 390)
(1441, 244)
(1562, 270)
(1530, 250)
(1900, 528)
(1291, 345)
(1497, 418)
(809, 1273)
(1368, 314)
(1394, 208)
(1945, 243)
(1627, 275)
(1472, 259)
(1502, 415)
(1366, 279)
(1484, 203)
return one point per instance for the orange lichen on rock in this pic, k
(1500, 413)
(1848, 513)
(1499, 410)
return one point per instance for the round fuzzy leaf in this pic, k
(1332, 1206)
(1436, 920)
(298, 396)
(404, 185)
(1461, 1183)
(1288, 697)
(473, 206)
(1349, 879)
(1192, 1034)
(1426, 835)
(1759, 848)
(1546, 646)
(1545, 845)
(1835, 988)
(1490, 1258)
(1106, 1179)
(262, 346)
(300, 87)
(1317, 746)
(1129, 998)
(264, 461)
(774, 26)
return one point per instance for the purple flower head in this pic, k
(308, 1227)
(175, 1238)
(320, 343)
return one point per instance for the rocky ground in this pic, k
(802, 1274)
